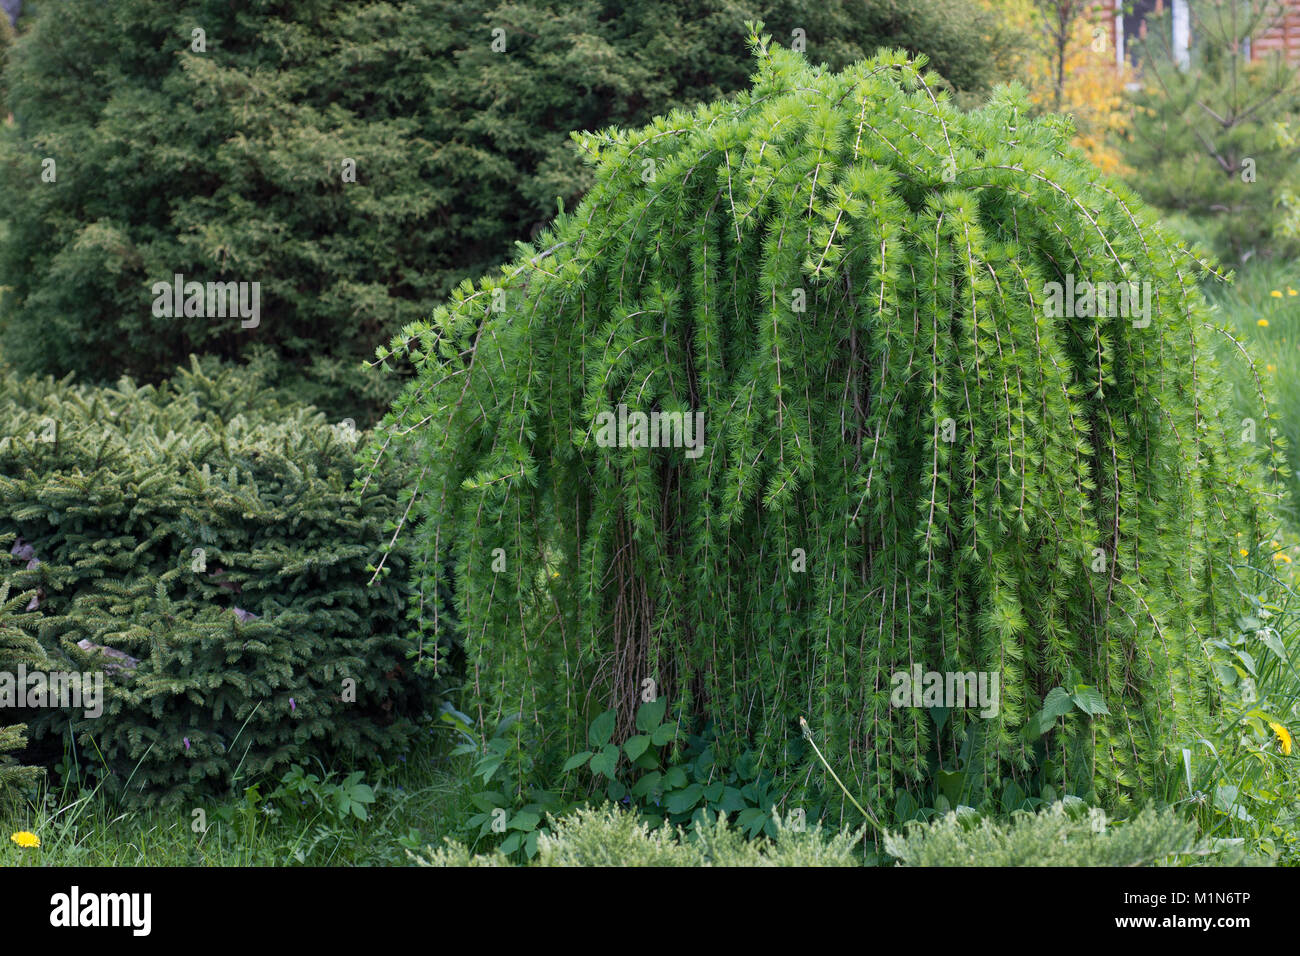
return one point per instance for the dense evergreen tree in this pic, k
(6, 41)
(224, 156)
(912, 456)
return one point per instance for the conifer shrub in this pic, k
(1067, 833)
(201, 545)
(1064, 834)
(608, 836)
(915, 453)
(16, 648)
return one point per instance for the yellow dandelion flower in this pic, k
(1262, 323)
(1275, 294)
(1243, 552)
(1291, 291)
(1283, 738)
(25, 839)
(1271, 368)
(1286, 558)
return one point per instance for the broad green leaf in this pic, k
(577, 760)
(752, 820)
(601, 730)
(1247, 661)
(675, 778)
(605, 761)
(524, 821)
(647, 761)
(663, 734)
(731, 801)
(647, 784)
(488, 800)
(681, 801)
(1272, 641)
(636, 745)
(1089, 700)
(651, 714)
(940, 716)
(951, 783)
(1058, 702)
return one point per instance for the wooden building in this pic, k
(1283, 34)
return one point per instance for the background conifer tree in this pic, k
(1214, 141)
(222, 157)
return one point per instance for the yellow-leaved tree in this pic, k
(1067, 62)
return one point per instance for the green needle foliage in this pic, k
(6, 41)
(605, 836)
(907, 459)
(16, 647)
(1065, 834)
(226, 160)
(201, 546)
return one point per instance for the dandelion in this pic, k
(1291, 291)
(1271, 368)
(1243, 552)
(1286, 558)
(1283, 738)
(1262, 323)
(1275, 294)
(25, 839)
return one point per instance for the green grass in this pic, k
(416, 803)
(1241, 785)
(1261, 310)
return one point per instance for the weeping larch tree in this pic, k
(917, 450)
